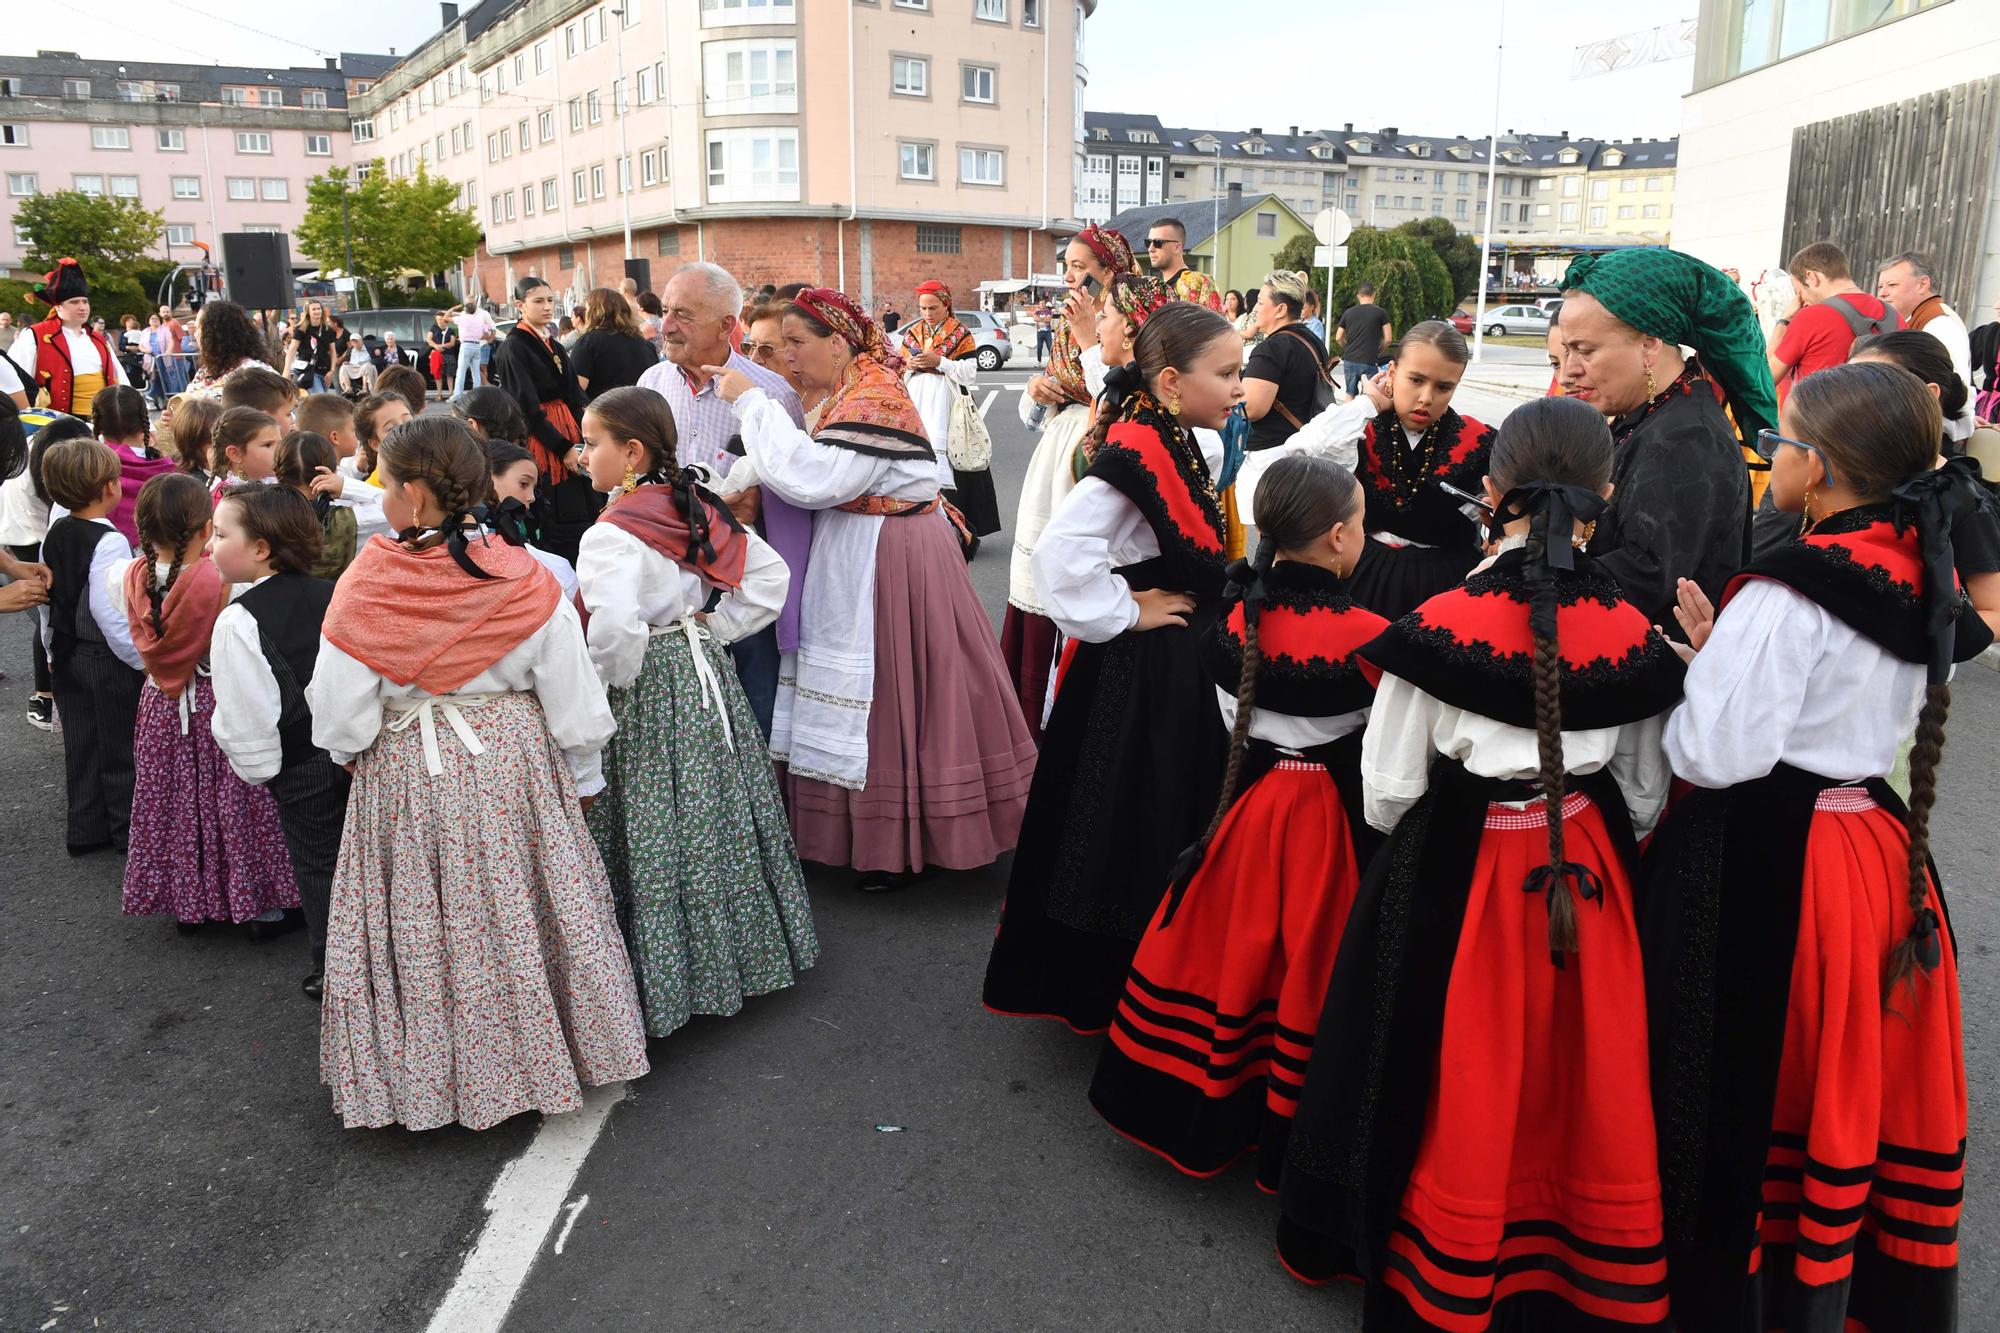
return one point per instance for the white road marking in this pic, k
(575, 1208)
(521, 1206)
(988, 403)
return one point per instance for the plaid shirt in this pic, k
(703, 421)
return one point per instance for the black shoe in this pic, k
(891, 881)
(86, 848)
(314, 985)
(263, 932)
(42, 712)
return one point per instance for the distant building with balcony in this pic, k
(215, 148)
(951, 152)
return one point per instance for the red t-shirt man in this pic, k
(1820, 336)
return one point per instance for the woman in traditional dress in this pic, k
(1057, 403)
(1131, 568)
(535, 371)
(940, 363)
(1808, 1062)
(1476, 1134)
(691, 824)
(1211, 1040)
(474, 968)
(906, 748)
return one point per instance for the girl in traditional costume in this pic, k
(1057, 403)
(691, 824)
(474, 967)
(534, 368)
(905, 745)
(1808, 1062)
(205, 845)
(1131, 568)
(941, 363)
(1210, 1043)
(1476, 1137)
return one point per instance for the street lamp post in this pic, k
(346, 233)
(624, 156)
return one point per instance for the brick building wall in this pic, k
(782, 250)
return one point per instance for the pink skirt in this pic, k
(950, 758)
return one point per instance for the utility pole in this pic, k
(346, 233)
(624, 98)
(1492, 166)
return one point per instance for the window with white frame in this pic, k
(1031, 13)
(753, 164)
(364, 131)
(1600, 190)
(1596, 217)
(575, 114)
(747, 77)
(457, 141)
(124, 187)
(440, 147)
(248, 141)
(569, 41)
(1627, 211)
(1129, 187)
(994, 11)
(180, 233)
(509, 199)
(131, 92)
(1155, 180)
(506, 143)
(541, 57)
(982, 166)
(110, 136)
(978, 82)
(649, 171)
(269, 228)
(1572, 186)
(170, 141)
(597, 181)
(545, 125)
(486, 87)
(22, 238)
(1655, 183)
(579, 186)
(90, 185)
(624, 175)
(494, 208)
(913, 4)
(590, 29)
(76, 87)
(526, 134)
(527, 201)
(551, 195)
(313, 99)
(631, 15)
(910, 76)
(276, 189)
(1650, 211)
(242, 187)
(187, 187)
(13, 136)
(919, 161)
(593, 107)
(319, 145)
(733, 13)
(520, 68)
(643, 88)
(21, 184)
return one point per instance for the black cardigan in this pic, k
(534, 372)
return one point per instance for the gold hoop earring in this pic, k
(630, 482)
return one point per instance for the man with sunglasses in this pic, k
(1166, 246)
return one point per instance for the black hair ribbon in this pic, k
(454, 529)
(1569, 877)
(1936, 500)
(508, 519)
(1121, 382)
(1556, 508)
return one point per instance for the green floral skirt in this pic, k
(709, 891)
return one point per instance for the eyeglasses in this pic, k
(1769, 440)
(1152, 241)
(755, 350)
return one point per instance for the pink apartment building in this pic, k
(213, 148)
(952, 152)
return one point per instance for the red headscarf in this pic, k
(1112, 250)
(937, 289)
(839, 312)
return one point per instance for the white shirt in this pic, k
(111, 623)
(24, 516)
(473, 325)
(1780, 679)
(1288, 731)
(247, 701)
(1094, 531)
(10, 383)
(552, 663)
(83, 357)
(630, 589)
(1407, 728)
(1949, 328)
(565, 572)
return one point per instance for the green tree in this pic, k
(1459, 252)
(111, 238)
(390, 225)
(1371, 254)
(1399, 290)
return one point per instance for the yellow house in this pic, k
(1238, 256)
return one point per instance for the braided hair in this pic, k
(445, 455)
(1551, 462)
(171, 511)
(192, 432)
(1879, 427)
(1176, 335)
(1301, 499)
(119, 416)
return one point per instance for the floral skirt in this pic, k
(205, 844)
(694, 834)
(473, 964)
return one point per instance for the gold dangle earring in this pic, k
(630, 482)
(1808, 518)
(1652, 389)
(1174, 405)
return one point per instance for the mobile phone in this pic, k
(1474, 508)
(1092, 287)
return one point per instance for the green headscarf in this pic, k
(1679, 299)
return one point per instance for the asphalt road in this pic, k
(170, 1161)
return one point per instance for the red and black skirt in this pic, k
(1476, 1136)
(1210, 1043)
(1813, 1135)
(1393, 581)
(1129, 773)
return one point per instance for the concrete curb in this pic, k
(1990, 659)
(1518, 392)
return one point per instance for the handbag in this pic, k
(969, 447)
(1322, 386)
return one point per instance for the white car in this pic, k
(1521, 319)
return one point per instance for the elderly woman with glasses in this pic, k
(1680, 507)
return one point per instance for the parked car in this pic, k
(989, 333)
(1530, 321)
(1461, 320)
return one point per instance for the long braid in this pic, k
(155, 594)
(1924, 757)
(1246, 702)
(1547, 668)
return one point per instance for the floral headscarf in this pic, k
(870, 411)
(1112, 249)
(844, 316)
(1137, 297)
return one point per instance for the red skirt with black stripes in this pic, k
(1866, 1173)
(1534, 1200)
(1210, 1040)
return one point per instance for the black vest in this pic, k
(289, 609)
(67, 551)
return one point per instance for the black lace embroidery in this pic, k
(1401, 471)
(1623, 428)
(1127, 470)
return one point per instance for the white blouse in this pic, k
(1407, 728)
(1094, 531)
(630, 590)
(247, 701)
(1335, 433)
(1288, 731)
(111, 552)
(552, 663)
(1782, 680)
(812, 475)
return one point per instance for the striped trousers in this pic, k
(312, 806)
(97, 697)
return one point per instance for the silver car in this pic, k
(989, 333)
(1531, 321)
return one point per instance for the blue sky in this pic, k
(1424, 65)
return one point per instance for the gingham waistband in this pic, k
(1847, 800)
(1534, 814)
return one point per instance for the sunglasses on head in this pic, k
(1769, 440)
